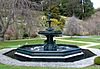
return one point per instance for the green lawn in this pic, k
(74, 43)
(84, 39)
(2, 66)
(95, 36)
(15, 43)
(98, 47)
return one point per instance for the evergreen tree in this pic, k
(80, 8)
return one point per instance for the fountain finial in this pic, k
(49, 17)
(49, 21)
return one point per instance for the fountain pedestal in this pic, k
(50, 44)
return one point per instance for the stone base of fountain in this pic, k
(74, 57)
(37, 52)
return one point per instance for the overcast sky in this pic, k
(96, 3)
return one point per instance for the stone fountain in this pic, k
(49, 51)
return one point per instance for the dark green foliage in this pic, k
(25, 35)
(97, 60)
(55, 12)
(80, 9)
(57, 21)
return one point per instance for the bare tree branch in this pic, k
(10, 9)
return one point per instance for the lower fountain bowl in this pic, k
(37, 53)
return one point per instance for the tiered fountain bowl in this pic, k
(49, 51)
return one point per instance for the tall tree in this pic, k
(72, 26)
(80, 8)
(10, 9)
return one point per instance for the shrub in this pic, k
(77, 34)
(33, 35)
(25, 35)
(97, 60)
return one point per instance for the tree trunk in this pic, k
(2, 37)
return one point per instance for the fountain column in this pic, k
(50, 44)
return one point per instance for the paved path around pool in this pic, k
(77, 64)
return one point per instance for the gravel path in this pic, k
(77, 64)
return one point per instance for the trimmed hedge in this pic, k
(97, 60)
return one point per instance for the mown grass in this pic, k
(72, 43)
(2, 66)
(98, 47)
(15, 43)
(95, 36)
(84, 39)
